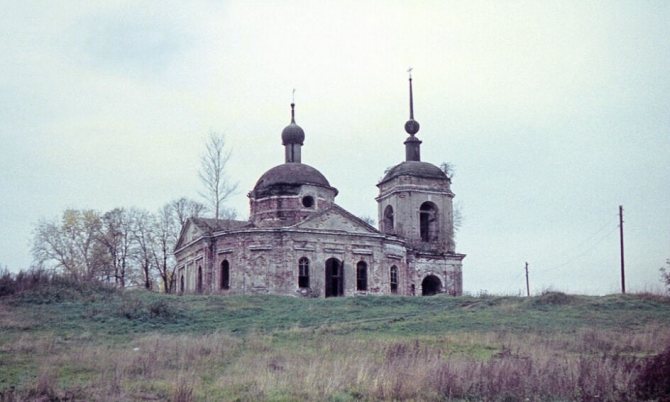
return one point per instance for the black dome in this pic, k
(287, 178)
(292, 134)
(417, 169)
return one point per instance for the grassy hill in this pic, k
(62, 340)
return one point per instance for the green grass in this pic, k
(135, 312)
(84, 340)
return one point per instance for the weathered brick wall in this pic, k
(267, 261)
(288, 209)
(406, 194)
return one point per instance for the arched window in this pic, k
(199, 281)
(388, 219)
(181, 284)
(428, 221)
(361, 276)
(225, 274)
(303, 272)
(394, 279)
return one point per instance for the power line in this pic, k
(605, 225)
(572, 259)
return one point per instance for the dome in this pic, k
(286, 178)
(416, 169)
(292, 134)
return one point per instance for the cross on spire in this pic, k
(293, 106)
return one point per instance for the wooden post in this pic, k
(623, 275)
(527, 285)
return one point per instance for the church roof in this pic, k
(211, 225)
(286, 177)
(415, 168)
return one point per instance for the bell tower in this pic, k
(415, 198)
(415, 204)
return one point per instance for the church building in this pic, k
(299, 242)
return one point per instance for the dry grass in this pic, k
(586, 365)
(79, 343)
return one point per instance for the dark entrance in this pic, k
(431, 285)
(334, 278)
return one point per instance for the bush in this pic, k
(665, 275)
(553, 298)
(133, 307)
(653, 382)
(6, 283)
(38, 286)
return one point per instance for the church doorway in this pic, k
(334, 278)
(431, 285)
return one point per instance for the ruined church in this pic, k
(299, 242)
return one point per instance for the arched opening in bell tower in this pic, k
(428, 221)
(388, 219)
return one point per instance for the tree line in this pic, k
(132, 246)
(123, 246)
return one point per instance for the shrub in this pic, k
(665, 275)
(6, 283)
(162, 309)
(653, 382)
(553, 298)
(38, 286)
(133, 307)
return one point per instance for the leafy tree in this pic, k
(71, 244)
(213, 161)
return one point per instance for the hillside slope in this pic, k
(88, 342)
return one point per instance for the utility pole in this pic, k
(623, 276)
(527, 285)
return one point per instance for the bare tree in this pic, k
(184, 208)
(369, 220)
(116, 237)
(218, 186)
(448, 169)
(144, 239)
(165, 237)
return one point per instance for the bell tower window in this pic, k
(428, 221)
(388, 219)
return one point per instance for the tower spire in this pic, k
(412, 144)
(411, 126)
(411, 97)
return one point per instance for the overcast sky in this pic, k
(553, 113)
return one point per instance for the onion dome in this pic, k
(293, 133)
